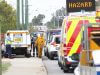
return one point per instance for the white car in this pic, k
(53, 46)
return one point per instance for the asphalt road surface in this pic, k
(53, 68)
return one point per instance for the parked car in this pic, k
(49, 35)
(53, 46)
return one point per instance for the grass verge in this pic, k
(5, 66)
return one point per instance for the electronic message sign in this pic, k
(78, 5)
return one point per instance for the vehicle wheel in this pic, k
(51, 57)
(27, 55)
(61, 68)
(6, 55)
(45, 53)
(65, 71)
(59, 63)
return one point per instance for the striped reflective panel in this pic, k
(74, 34)
(71, 30)
(75, 39)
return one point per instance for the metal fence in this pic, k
(84, 70)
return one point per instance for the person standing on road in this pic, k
(40, 44)
(8, 43)
(2, 49)
(33, 39)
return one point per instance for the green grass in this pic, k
(5, 66)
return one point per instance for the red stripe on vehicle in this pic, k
(98, 21)
(68, 24)
(79, 49)
(74, 35)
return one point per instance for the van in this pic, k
(71, 40)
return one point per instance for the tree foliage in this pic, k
(37, 20)
(57, 18)
(7, 17)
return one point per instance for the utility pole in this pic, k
(54, 20)
(18, 14)
(26, 14)
(22, 14)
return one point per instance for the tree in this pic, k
(57, 18)
(37, 20)
(7, 17)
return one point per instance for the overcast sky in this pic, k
(46, 7)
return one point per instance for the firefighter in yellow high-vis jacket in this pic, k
(40, 41)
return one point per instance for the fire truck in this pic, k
(72, 40)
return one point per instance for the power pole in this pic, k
(22, 14)
(26, 14)
(18, 14)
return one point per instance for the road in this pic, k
(53, 68)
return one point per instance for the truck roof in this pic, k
(17, 31)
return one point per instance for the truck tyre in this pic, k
(27, 54)
(51, 57)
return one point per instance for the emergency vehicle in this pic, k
(21, 42)
(89, 59)
(71, 40)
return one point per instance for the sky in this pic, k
(46, 7)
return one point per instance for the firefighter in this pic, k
(40, 44)
(8, 43)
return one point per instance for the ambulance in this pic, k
(72, 40)
(21, 42)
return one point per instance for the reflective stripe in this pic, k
(71, 29)
(8, 42)
(75, 45)
(73, 34)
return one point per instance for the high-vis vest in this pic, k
(8, 41)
